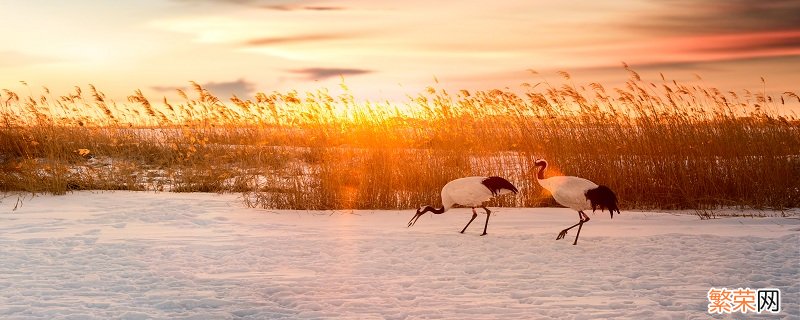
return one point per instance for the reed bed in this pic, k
(657, 144)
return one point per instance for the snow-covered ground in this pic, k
(142, 255)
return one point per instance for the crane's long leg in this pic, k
(474, 214)
(564, 232)
(487, 220)
(583, 218)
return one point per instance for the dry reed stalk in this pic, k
(660, 145)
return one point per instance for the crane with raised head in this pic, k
(576, 193)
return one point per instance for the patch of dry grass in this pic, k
(658, 145)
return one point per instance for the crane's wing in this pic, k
(498, 186)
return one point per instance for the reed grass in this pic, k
(657, 144)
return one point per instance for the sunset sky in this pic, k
(386, 49)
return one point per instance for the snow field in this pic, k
(144, 255)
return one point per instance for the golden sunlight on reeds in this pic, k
(659, 145)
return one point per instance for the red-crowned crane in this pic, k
(469, 192)
(576, 193)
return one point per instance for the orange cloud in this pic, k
(733, 46)
(295, 39)
(324, 73)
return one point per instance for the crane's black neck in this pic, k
(542, 166)
(432, 209)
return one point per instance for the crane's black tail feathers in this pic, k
(602, 197)
(495, 184)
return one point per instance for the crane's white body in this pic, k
(569, 191)
(468, 192)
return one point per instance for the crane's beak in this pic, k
(415, 218)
